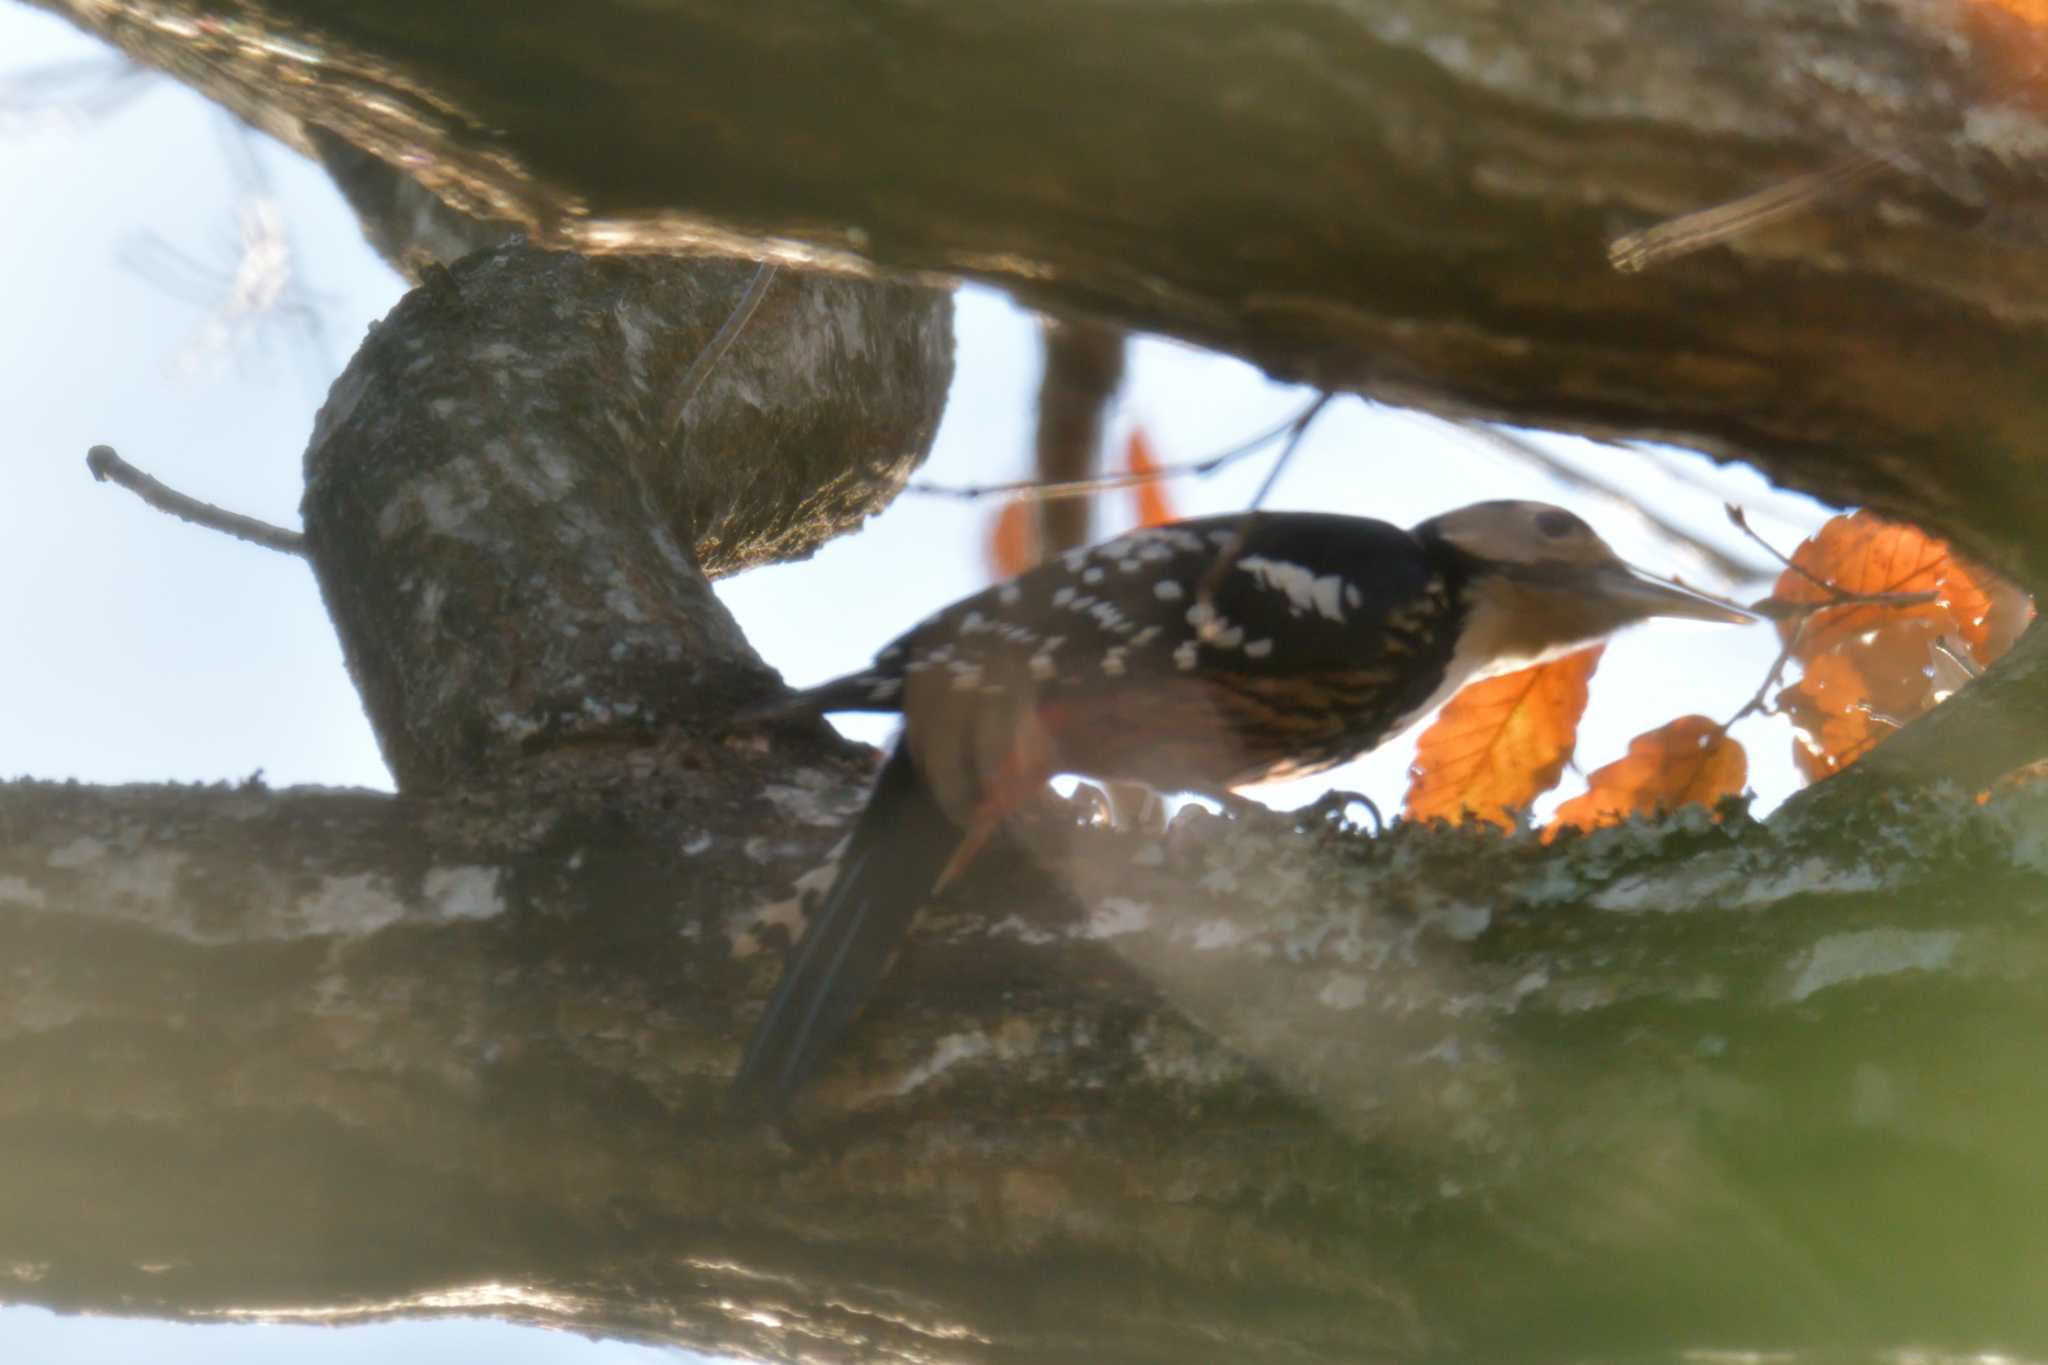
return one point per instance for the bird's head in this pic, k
(1540, 583)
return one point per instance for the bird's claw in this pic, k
(1332, 810)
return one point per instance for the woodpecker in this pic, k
(1191, 657)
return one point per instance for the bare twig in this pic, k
(1959, 657)
(1081, 488)
(1713, 558)
(1205, 595)
(1759, 703)
(1691, 232)
(108, 466)
(1881, 717)
(1783, 609)
(1740, 519)
(721, 341)
(1780, 610)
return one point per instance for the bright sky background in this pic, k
(143, 649)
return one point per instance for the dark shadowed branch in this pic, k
(1411, 200)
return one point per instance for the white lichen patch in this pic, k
(623, 603)
(79, 852)
(1345, 991)
(1022, 930)
(1170, 1056)
(951, 1050)
(516, 726)
(452, 501)
(1117, 916)
(1457, 920)
(1866, 953)
(1733, 881)
(813, 798)
(2009, 133)
(2026, 828)
(428, 609)
(1578, 997)
(465, 892)
(16, 892)
(358, 904)
(1812, 877)
(143, 884)
(1214, 935)
(743, 931)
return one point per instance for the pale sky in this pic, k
(143, 649)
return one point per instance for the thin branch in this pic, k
(1759, 704)
(1779, 610)
(107, 466)
(721, 341)
(1205, 595)
(1741, 522)
(1960, 658)
(1716, 560)
(1081, 488)
(1692, 232)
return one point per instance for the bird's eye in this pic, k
(1556, 524)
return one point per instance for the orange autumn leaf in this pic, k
(1013, 539)
(1864, 553)
(1852, 697)
(2031, 12)
(1500, 743)
(1154, 508)
(1689, 760)
(1870, 667)
(2012, 611)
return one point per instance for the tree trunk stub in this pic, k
(512, 524)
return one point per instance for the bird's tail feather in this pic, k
(900, 844)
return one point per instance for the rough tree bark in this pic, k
(1408, 197)
(1243, 1091)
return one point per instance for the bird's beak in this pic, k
(1642, 596)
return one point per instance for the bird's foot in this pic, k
(1332, 812)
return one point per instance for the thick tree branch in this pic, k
(1410, 198)
(1452, 1096)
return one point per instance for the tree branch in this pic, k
(514, 524)
(1448, 1096)
(1410, 200)
(107, 466)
